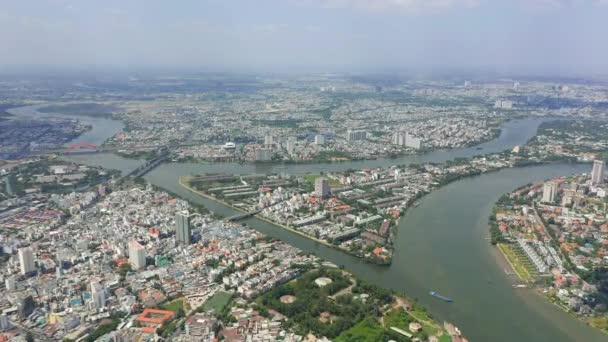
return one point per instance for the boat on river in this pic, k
(438, 296)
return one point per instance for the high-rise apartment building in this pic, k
(549, 192)
(26, 260)
(98, 295)
(182, 227)
(597, 174)
(137, 255)
(322, 188)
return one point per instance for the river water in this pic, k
(102, 128)
(441, 245)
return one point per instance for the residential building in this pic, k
(290, 145)
(319, 139)
(597, 174)
(355, 135)
(98, 295)
(182, 227)
(137, 255)
(4, 322)
(322, 188)
(549, 192)
(407, 139)
(26, 260)
(263, 154)
(9, 184)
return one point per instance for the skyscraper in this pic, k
(182, 227)
(290, 145)
(26, 260)
(549, 192)
(597, 175)
(322, 187)
(98, 295)
(9, 185)
(137, 255)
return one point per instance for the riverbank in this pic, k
(184, 182)
(440, 245)
(533, 234)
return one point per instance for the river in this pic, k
(440, 245)
(102, 128)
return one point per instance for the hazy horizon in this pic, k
(557, 37)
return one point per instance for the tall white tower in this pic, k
(26, 260)
(549, 192)
(597, 175)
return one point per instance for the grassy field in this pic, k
(174, 305)
(599, 323)
(427, 323)
(518, 260)
(366, 330)
(218, 301)
(311, 179)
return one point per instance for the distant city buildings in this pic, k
(319, 139)
(549, 192)
(516, 85)
(598, 172)
(26, 260)
(407, 140)
(182, 227)
(290, 145)
(355, 135)
(263, 154)
(502, 104)
(137, 255)
(268, 141)
(322, 189)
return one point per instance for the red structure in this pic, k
(81, 145)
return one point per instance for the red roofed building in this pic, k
(154, 318)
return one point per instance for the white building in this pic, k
(355, 135)
(290, 145)
(98, 295)
(407, 139)
(597, 175)
(263, 154)
(268, 141)
(10, 282)
(319, 139)
(137, 255)
(501, 104)
(26, 260)
(182, 227)
(549, 192)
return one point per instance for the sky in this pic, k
(537, 36)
